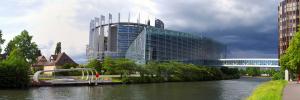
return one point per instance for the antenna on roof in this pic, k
(139, 18)
(119, 17)
(129, 17)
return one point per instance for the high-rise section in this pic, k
(143, 42)
(288, 21)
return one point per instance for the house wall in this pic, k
(49, 68)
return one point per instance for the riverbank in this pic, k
(271, 90)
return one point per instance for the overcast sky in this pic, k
(248, 27)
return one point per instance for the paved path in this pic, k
(291, 91)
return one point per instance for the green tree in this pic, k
(14, 71)
(39, 53)
(28, 49)
(251, 71)
(1, 41)
(58, 48)
(96, 64)
(291, 59)
(109, 65)
(125, 67)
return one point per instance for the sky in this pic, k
(247, 27)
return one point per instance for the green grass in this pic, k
(271, 90)
(116, 80)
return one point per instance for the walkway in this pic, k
(291, 91)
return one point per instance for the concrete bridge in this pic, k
(246, 62)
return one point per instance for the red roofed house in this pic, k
(55, 62)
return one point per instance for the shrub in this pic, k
(251, 71)
(278, 76)
(14, 71)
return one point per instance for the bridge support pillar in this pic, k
(286, 75)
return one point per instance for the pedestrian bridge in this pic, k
(246, 62)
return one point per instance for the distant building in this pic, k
(41, 61)
(143, 43)
(55, 62)
(288, 23)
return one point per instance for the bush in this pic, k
(278, 76)
(251, 71)
(14, 71)
(68, 73)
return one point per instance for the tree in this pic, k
(291, 59)
(109, 65)
(14, 71)
(58, 48)
(39, 53)
(1, 41)
(252, 71)
(28, 49)
(96, 64)
(125, 67)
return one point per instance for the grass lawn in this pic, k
(271, 90)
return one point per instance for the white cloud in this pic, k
(55, 22)
(67, 21)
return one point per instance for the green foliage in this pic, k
(176, 71)
(251, 71)
(278, 76)
(68, 66)
(124, 67)
(291, 59)
(109, 65)
(69, 73)
(58, 48)
(162, 71)
(230, 72)
(1, 41)
(96, 64)
(271, 90)
(14, 71)
(271, 72)
(23, 42)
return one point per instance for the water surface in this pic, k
(210, 90)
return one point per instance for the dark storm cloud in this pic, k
(248, 27)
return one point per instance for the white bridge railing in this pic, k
(87, 73)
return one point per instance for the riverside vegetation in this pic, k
(15, 68)
(170, 71)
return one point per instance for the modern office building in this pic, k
(288, 21)
(143, 43)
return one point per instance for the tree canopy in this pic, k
(1, 41)
(94, 63)
(291, 59)
(58, 48)
(24, 43)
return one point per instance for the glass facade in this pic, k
(165, 45)
(126, 34)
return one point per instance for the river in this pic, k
(210, 90)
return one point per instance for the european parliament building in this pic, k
(143, 43)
